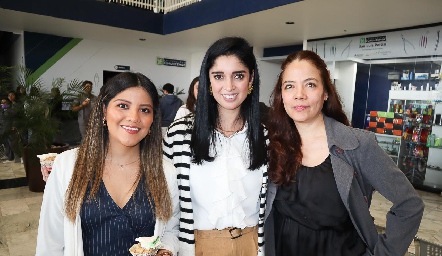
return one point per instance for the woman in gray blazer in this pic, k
(324, 172)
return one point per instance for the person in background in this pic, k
(5, 104)
(20, 94)
(116, 186)
(190, 105)
(12, 138)
(324, 172)
(56, 105)
(169, 105)
(83, 105)
(220, 155)
(3, 136)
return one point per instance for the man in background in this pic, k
(169, 105)
(83, 105)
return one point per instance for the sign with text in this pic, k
(171, 62)
(121, 67)
(394, 44)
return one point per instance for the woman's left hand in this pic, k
(163, 252)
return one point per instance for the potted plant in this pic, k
(33, 123)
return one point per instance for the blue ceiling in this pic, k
(115, 15)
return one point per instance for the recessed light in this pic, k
(289, 22)
(142, 39)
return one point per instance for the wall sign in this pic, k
(171, 62)
(395, 44)
(121, 67)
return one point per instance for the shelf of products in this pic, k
(420, 137)
(390, 144)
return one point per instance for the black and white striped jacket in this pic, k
(176, 148)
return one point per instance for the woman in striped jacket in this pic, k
(220, 156)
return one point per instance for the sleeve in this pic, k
(170, 237)
(168, 146)
(182, 112)
(76, 102)
(404, 217)
(50, 237)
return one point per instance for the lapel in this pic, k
(341, 138)
(271, 194)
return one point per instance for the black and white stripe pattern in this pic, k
(176, 148)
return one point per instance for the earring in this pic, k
(148, 133)
(250, 90)
(210, 90)
(104, 122)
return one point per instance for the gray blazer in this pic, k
(360, 166)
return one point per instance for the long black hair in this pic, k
(206, 118)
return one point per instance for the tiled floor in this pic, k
(20, 209)
(11, 171)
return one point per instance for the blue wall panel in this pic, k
(40, 47)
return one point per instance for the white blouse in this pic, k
(224, 192)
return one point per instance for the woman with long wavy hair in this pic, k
(115, 187)
(323, 174)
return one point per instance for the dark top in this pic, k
(85, 112)
(310, 218)
(169, 105)
(108, 229)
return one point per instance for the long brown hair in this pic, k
(88, 169)
(191, 99)
(285, 155)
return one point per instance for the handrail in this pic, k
(164, 6)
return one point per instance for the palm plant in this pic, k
(32, 121)
(5, 82)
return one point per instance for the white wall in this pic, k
(345, 84)
(88, 59)
(268, 72)
(18, 51)
(197, 59)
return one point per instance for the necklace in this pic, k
(219, 128)
(122, 165)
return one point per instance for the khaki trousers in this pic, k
(227, 242)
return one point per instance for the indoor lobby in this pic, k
(87, 40)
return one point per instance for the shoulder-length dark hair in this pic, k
(285, 155)
(206, 118)
(88, 169)
(191, 99)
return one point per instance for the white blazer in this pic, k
(57, 235)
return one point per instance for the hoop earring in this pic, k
(250, 90)
(104, 122)
(210, 90)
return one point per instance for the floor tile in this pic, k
(12, 207)
(23, 243)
